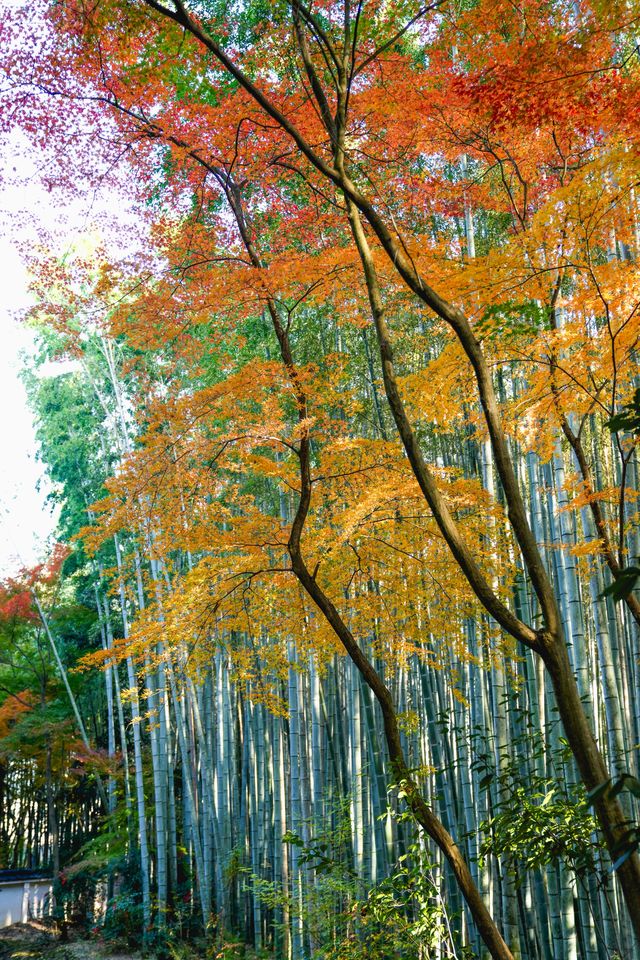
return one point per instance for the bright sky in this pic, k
(28, 213)
(26, 522)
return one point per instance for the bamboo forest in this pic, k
(334, 652)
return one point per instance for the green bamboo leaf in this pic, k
(623, 585)
(597, 792)
(625, 856)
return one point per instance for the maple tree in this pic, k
(42, 749)
(458, 184)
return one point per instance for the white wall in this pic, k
(24, 900)
(36, 899)
(11, 895)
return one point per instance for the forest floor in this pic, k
(33, 941)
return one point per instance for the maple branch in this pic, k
(298, 9)
(313, 188)
(417, 559)
(10, 693)
(379, 465)
(247, 436)
(317, 88)
(575, 442)
(397, 36)
(184, 19)
(418, 806)
(354, 39)
(207, 260)
(598, 517)
(547, 362)
(244, 578)
(426, 480)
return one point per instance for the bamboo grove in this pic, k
(348, 473)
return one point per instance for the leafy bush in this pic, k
(400, 918)
(537, 828)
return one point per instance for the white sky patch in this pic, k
(28, 214)
(26, 522)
